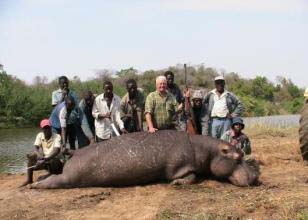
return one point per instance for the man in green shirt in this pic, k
(236, 137)
(161, 107)
(132, 107)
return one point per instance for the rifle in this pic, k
(190, 126)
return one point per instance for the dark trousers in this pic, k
(53, 166)
(70, 134)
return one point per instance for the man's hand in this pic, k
(129, 116)
(65, 92)
(40, 162)
(64, 150)
(152, 130)
(92, 140)
(63, 146)
(230, 116)
(102, 116)
(186, 93)
(180, 107)
(124, 131)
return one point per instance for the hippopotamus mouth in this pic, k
(245, 174)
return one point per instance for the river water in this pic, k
(16, 143)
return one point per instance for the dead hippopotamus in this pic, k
(141, 158)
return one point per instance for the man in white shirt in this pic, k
(47, 147)
(222, 106)
(106, 111)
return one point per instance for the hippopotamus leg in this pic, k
(52, 182)
(189, 179)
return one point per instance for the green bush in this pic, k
(30, 103)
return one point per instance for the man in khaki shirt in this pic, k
(132, 107)
(47, 147)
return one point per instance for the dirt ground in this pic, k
(283, 193)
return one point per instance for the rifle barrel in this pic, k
(185, 72)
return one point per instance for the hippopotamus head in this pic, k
(228, 163)
(244, 175)
(225, 159)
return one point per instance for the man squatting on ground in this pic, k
(47, 147)
(106, 111)
(236, 137)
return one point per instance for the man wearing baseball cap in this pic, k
(222, 107)
(47, 147)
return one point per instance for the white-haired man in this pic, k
(161, 107)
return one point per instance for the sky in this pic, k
(74, 37)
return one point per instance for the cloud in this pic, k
(280, 6)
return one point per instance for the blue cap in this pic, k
(238, 120)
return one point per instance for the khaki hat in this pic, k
(197, 94)
(219, 78)
(306, 92)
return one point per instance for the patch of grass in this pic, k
(166, 214)
(302, 215)
(194, 188)
(204, 216)
(265, 130)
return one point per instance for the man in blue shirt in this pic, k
(58, 120)
(59, 95)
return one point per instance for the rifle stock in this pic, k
(190, 126)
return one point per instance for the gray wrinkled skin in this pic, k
(141, 158)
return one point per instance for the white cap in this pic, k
(219, 78)
(306, 92)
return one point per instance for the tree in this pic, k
(262, 88)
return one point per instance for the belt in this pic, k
(220, 118)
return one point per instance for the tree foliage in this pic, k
(20, 102)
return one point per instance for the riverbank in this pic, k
(17, 122)
(283, 194)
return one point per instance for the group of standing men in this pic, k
(106, 115)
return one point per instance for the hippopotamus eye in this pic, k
(225, 151)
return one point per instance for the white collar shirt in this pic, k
(220, 108)
(103, 127)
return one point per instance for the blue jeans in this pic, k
(219, 126)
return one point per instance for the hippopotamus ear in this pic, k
(230, 151)
(224, 148)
